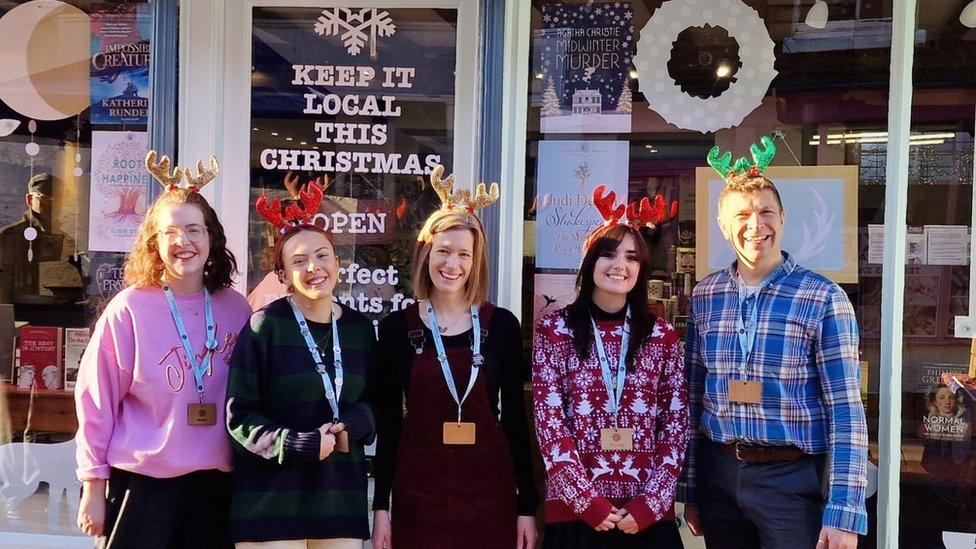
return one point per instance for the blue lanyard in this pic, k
(331, 394)
(747, 334)
(615, 387)
(199, 368)
(476, 359)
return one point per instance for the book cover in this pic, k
(75, 341)
(120, 63)
(40, 357)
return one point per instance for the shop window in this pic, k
(679, 77)
(378, 113)
(74, 109)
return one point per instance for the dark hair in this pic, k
(144, 267)
(578, 313)
(279, 261)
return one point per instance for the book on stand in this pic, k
(75, 341)
(40, 357)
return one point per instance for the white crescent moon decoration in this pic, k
(44, 63)
(752, 80)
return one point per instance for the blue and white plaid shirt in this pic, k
(805, 352)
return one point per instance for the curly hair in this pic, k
(145, 268)
(749, 184)
(476, 288)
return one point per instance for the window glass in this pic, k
(938, 458)
(368, 115)
(632, 95)
(74, 108)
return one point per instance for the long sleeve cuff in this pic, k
(301, 446)
(642, 512)
(596, 512)
(850, 519)
(95, 472)
(360, 423)
(528, 505)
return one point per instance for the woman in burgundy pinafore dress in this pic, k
(453, 437)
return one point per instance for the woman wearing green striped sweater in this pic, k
(298, 407)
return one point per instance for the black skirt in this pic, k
(578, 535)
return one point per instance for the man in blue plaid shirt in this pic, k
(775, 408)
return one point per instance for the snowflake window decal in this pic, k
(355, 27)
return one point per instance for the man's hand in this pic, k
(694, 522)
(832, 538)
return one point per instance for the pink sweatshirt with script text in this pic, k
(134, 385)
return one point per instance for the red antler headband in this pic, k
(639, 213)
(296, 214)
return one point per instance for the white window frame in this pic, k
(215, 96)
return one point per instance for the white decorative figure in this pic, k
(603, 469)
(628, 469)
(685, 111)
(24, 465)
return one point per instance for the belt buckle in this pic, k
(738, 452)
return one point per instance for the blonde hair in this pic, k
(746, 184)
(145, 268)
(476, 288)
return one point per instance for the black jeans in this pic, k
(189, 511)
(775, 505)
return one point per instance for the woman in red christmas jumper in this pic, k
(610, 397)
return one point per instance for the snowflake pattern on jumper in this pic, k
(572, 405)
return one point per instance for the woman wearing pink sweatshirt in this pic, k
(152, 381)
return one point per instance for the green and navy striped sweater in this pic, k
(275, 405)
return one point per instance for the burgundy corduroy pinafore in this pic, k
(449, 496)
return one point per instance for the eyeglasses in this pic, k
(193, 233)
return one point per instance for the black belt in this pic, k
(754, 453)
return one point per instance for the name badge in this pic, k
(342, 442)
(201, 414)
(616, 439)
(745, 392)
(458, 433)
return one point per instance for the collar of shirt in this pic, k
(747, 317)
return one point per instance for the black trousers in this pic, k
(579, 535)
(189, 511)
(775, 505)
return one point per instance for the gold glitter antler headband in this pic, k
(483, 196)
(171, 180)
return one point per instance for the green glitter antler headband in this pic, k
(722, 163)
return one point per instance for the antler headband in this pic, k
(298, 213)
(451, 199)
(171, 180)
(722, 163)
(639, 213)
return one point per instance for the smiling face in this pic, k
(753, 222)
(183, 242)
(309, 265)
(450, 261)
(615, 271)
